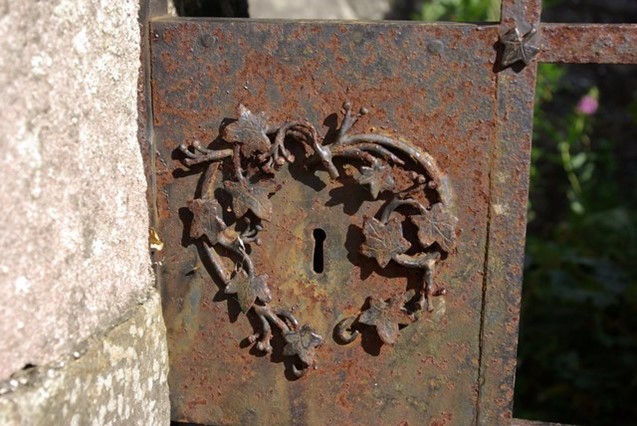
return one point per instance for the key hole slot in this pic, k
(319, 256)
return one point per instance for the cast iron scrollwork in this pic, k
(258, 152)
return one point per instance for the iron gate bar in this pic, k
(523, 13)
(588, 43)
(504, 257)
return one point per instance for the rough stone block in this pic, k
(116, 377)
(74, 230)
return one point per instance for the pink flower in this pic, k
(587, 105)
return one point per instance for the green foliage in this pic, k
(632, 110)
(548, 80)
(578, 339)
(460, 10)
(465, 10)
(577, 358)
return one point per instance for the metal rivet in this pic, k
(208, 40)
(435, 46)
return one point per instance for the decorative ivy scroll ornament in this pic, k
(258, 152)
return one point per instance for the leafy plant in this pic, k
(460, 10)
(578, 338)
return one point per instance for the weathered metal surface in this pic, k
(510, 156)
(431, 86)
(589, 43)
(148, 9)
(522, 13)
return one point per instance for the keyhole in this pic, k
(319, 259)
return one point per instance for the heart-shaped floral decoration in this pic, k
(371, 160)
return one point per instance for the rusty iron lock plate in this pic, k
(323, 261)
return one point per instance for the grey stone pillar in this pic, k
(81, 335)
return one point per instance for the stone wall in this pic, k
(74, 230)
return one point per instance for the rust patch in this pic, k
(589, 43)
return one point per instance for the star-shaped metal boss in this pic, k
(517, 47)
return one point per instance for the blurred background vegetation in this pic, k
(577, 360)
(578, 336)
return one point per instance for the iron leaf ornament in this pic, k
(378, 178)
(259, 150)
(249, 131)
(248, 289)
(383, 241)
(254, 198)
(437, 225)
(302, 342)
(387, 317)
(206, 220)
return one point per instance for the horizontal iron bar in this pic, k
(588, 43)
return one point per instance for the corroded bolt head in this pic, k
(208, 40)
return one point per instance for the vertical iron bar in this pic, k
(509, 180)
(523, 13)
